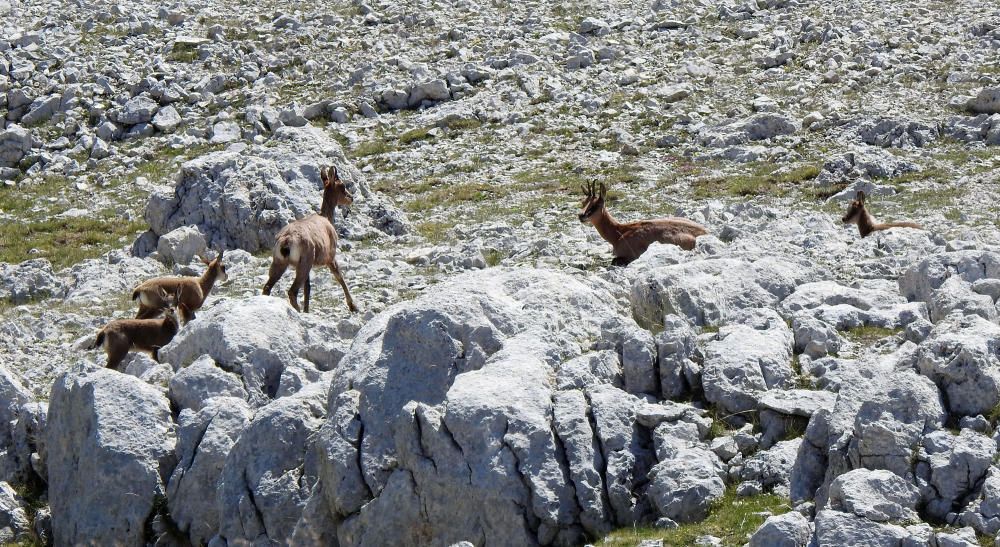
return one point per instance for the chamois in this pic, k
(192, 291)
(858, 214)
(311, 241)
(123, 335)
(630, 239)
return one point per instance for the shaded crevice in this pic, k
(361, 436)
(451, 437)
(563, 460)
(253, 503)
(602, 464)
(531, 520)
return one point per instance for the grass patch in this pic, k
(731, 518)
(456, 194)
(432, 230)
(65, 241)
(763, 179)
(867, 336)
(414, 135)
(371, 148)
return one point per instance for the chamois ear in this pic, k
(333, 174)
(204, 260)
(604, 190)
(861, 196)
(221, 252)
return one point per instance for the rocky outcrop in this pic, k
(110, 443)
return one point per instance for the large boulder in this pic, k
(29, 280)
(684, 486)
(708, 292)
(267, 478)
(837, 528)
(448, 404)
(241, 197)
(15, 143)
(962, 356)
(110, 443)
(956, 466)
(204, 439)
(790, 529)
(748, 357)
(256, 337)
(877, 495)
(13, 396)
(921, 280)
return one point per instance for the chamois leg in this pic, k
(335, 268)
(277, 270)
(301, 275)
(116, 353)
(306, 291)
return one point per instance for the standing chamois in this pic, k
(124, 335)
(630, 239)
(858, 214)
(191, 291)
(311, 241)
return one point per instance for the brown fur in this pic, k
(309, 242)
(192, 291)
(121, 336)
(858, 214)
(630, 239)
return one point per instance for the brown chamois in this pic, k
(630, 239)
(192, 291)
(311, 241)
(858, 214)
(124, 335)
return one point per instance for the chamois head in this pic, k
(855, 210)
(334, 192)
(593, 200)
(216, 269)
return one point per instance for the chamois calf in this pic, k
(630, 239)
(858, 214)
(124, 335)
(191, 291)
(311, 241)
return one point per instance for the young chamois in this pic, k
(858, 214)
(311, 241)
(192, 291)
(630, 239)
(124, 335)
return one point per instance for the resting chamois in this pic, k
(630, 239)
(192, 291)
(311, 241)
(124, 335)
(858, 214)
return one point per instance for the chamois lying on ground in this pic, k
(630, 239)
(858, 214)
(311, 241)
(192, 291)
(124, 335)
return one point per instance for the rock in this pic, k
(836, 528)
(15, 143)
(28, 281)
(226, 131)
(589, 369)
(110, 443)
(430, 90)
(475, 399)
(180, 246)
(788, 530)
(100, 149)
(772, 468)
(797, 402)
(897, 133)
(960, 356)
(240, 199)
(673, 93)
(204, 439)
(597, 27)
(920, 280)
(255, 337)
(138, 109)
(707, 292)
(814, 337)
(266, 478)
(955, 467)
(955, 294)
(750, 355)
(166, 119)
(192, 386)
(684, 486)
(877, 495)
(639, 362)
(14, 523)
(987, 101)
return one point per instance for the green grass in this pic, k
(732, 519)
(867, 335)
(434, 231)
(763, 179)
(65, 241)
(372, 148)
(414, 135)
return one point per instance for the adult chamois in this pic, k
(630, 239)
(311, 241)
(858, 214)
(191, 291)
